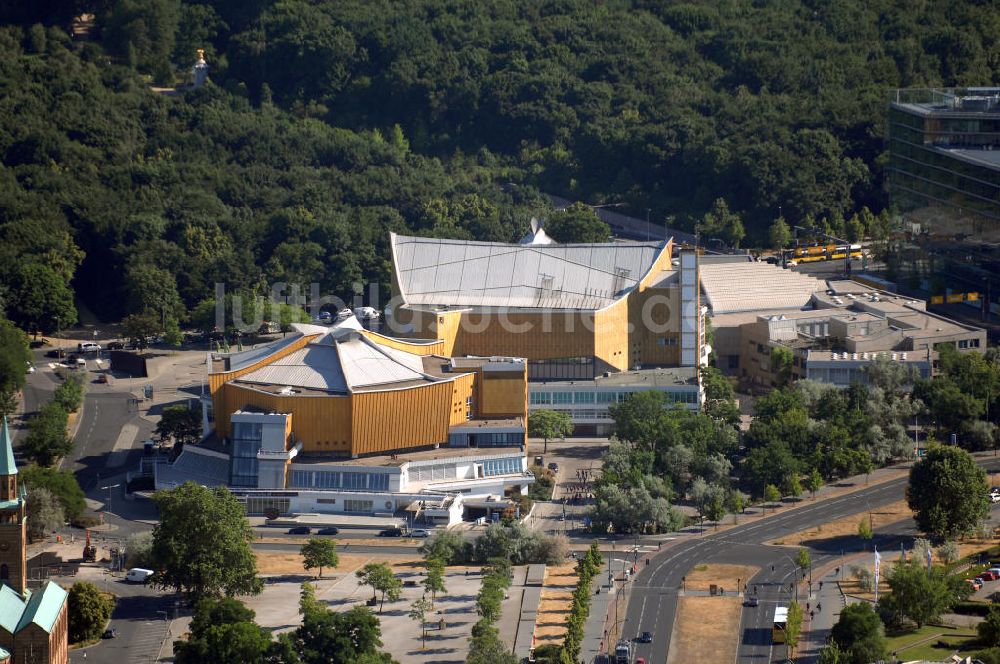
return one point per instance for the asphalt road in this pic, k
(653, 601)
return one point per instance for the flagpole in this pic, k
(878, 559)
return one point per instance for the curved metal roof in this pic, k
(463, 273)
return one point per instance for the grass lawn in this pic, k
(959, 639)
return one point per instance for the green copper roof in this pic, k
(11, 608)
(44, 607)
(7, 465)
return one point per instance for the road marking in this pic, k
(122, 445)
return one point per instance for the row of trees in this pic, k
(485, 646)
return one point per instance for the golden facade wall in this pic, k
(397, 419)
(463, 388)
(611, 335)
(502, 397)
(437, 348)
(320, 423)
(661, 320)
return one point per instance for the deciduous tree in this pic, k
(381, 579)
(948, 492)
(319, 552)
(45, 513)
(548, 424)
(89, 611)
(201, 546)
(859, 634)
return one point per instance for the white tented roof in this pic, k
(340, 361)
(735, 287)
(462, 273)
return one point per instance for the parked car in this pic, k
(109, 633)
(996, 570)
(328, 531)
(269, 327)
(344, 314)
(420, 532)
(30, 368)
(391, 532)
(645, 637)
(88, 347)
(987, 576)
(116, 345)
(56, 352)
(299, 530)
(554, 467)
(975, 583)
(752, 600)
(995, 495)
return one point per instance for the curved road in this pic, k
(652, 603)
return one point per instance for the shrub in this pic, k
(85, 521)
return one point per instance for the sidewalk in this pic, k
(600, 622)
(831, 601)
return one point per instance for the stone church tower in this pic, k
(34, 625)
(13, 533)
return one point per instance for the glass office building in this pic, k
(944, 149)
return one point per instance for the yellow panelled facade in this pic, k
(423, 348)
(655, 316)
(321, 423)
(391, 420)
(611, 335)
(463, 389)
(501, 396)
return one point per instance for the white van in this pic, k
(138, 575)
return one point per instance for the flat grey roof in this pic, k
(655, 377)
(753, 286)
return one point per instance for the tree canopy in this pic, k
(201, 546)
(947, 492)
(859, 635)
(325, 125)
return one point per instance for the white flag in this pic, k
(878, 561)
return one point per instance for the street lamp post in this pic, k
(109, 488)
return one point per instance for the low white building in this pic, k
(468, 478)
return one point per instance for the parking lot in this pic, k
(277, 609)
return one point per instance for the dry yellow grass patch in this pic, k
(706, 629)
(555, 603)
(848, 526)
(270, 562)
(703, 576)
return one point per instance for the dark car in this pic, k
(328, 531)
(56, 352)
(554, 467)
(645, 637)
(109, 633)
(752, 600)
(390, 532)
(116, 345)
(299, 530)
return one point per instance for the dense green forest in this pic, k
(330, 122)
